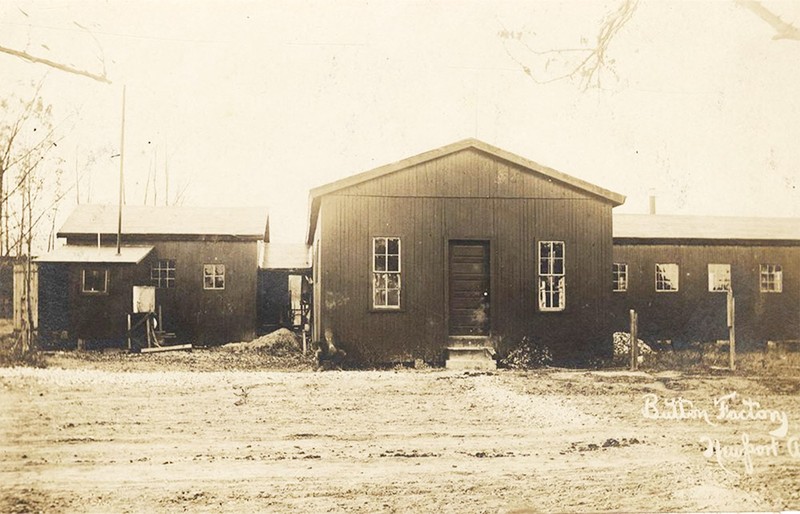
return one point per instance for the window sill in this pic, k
(386, 311)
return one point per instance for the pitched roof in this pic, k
(245, 223)
(658, 226)
(286, 256)
(317, 192)
(94, 254)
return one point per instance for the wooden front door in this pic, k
(468, 269)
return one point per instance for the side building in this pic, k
(676, 271)
(467, 242)
(202, 263)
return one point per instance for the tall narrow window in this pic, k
(771, 278)
(552, 286)
(386, 283)
(667, 276)
(719, 277)
(94, 281)
(213, 276)
(162, 274)
(620, 272)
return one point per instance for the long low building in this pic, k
(675, 271)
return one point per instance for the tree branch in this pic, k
(590, 61)
(56, 65)
(783, 30)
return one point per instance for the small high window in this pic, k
(94, 281)
(667, 276)
(771, 278)
(162, 274)
(213, 276)
(386, 283)
(719, 277)
(552, 285)
(620, 272)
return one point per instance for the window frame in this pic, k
(772, 270)
(616, 274)
(214, 276)
(677, 277)
(550, 279)
(712, 284)
(375, 274)
(157, 269)
(105, 273)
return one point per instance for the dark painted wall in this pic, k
(466, 195)
(194, 314)
(695, 314)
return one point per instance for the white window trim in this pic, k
(624, 289)
(92, 292)
(778, 281)
(677, 277)
(399, 273)
(563, 284)
(215, 274)
(168, 278)
(712, 278)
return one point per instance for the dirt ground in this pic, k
(161, 433)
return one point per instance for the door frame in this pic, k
(490, 242)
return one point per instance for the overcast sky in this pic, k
(254, 103)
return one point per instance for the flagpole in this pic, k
(121, 159)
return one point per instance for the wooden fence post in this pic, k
(731, 330)
(634, 340)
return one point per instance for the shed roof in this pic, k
(95, 254)
(286, 256)
(658, 226)
(251, 223)
(318, 192)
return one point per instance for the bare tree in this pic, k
(30, 187)
(586, 64)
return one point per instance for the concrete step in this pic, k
(470, 357)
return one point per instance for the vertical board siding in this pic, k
(195, 315)
(696, 314)
(467, 195)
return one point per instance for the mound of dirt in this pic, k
(280, 342)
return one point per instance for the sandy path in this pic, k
(98, 441)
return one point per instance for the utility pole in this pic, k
(121, 181)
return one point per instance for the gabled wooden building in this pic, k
(467, 241)
(202, 262)
(676, 271)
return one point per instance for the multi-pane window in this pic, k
(162, 274)
(386, 284)
(771, 278)
(620, 272)
(213, 276)
(94, 281)
(667, 277)
(719, 277)
(552, 293)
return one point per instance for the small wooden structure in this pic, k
(202, 262)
